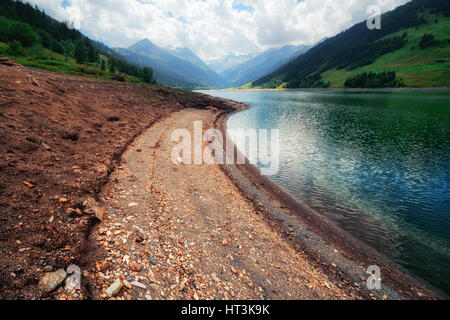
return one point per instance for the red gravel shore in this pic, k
(86, 180)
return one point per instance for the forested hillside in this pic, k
(32, 38)
(413, 39)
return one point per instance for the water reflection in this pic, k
(377, 164)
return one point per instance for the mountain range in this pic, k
(229, 61)
(180, 67)
(262, 64)
(173, 67)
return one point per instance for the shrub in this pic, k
(57, 47)
(147, 75)
(374, 80)
(23, 33)
(427, 41)
(5, 26)
(46, 38)
(15, 47)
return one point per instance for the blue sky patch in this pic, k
(241, 7)
(65, 4)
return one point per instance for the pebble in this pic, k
(51, 280)
(138, 284)
(114, 288)
(140, 234)
(132, 204)
(127, 284)
(48, 268)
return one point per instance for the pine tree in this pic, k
(92, 54)
(80, 53)
(103, 67)
(112, 67)
(147, 75)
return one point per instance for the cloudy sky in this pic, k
(213, 28)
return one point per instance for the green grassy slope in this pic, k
(39, 57)
(417, 67)
(359, 53)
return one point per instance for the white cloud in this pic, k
(213, 28)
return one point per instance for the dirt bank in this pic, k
(61, 137)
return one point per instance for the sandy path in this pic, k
(203, 239)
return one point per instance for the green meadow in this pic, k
(416, 67)
(42, 58)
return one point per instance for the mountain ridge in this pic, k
(178, 67)
(262, 64)
(358, 47)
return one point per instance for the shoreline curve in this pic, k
(332, 248)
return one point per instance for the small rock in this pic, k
(215, 278)
(152, 260)
(140, 235)
(138, 284)
(100, 213)
(132, 204)
(52, 279)
(28, 184)
(135, 267)
(33, 140)
(127, 284)
(33, 81)
(113, 119)
(151, 276)
(48, 268)
(71, 211)
(72, 135)
(114, 288)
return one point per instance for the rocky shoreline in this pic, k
(87, 185)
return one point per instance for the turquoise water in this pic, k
(375, 163)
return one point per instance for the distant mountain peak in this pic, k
(142, 45)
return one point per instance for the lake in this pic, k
(375, 163)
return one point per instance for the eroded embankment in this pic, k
(61, 138)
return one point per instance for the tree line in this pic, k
(374, 80)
